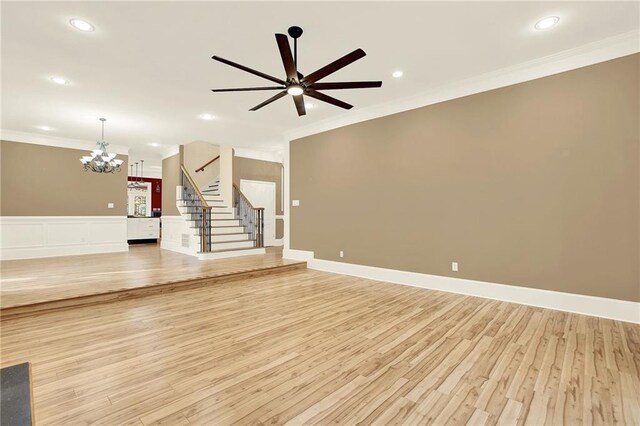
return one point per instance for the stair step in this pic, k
(223, 245)
(218, 238)
(226, 250)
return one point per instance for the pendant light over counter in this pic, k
(137, 183)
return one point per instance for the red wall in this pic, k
(156, 197)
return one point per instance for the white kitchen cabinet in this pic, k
(143, 228)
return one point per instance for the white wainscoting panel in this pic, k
(615, 309)
(25, 237)
(177, 236)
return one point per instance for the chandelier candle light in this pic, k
(99, 160)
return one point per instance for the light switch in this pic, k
(295, 203)
(110, 205)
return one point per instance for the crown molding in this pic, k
(171, 151)
(37, 139)
(275, 156)
(567, 60)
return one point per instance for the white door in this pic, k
(263, 194)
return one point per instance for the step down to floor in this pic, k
(226, 253)
(149, 289)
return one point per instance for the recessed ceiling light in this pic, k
(59, 80)
(154, 144)
(309, 105)
(81, 25)
(206, 116)
(397, 74)
(546, 23)
(45, 128)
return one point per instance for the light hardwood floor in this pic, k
(31, 281)
(312, 347)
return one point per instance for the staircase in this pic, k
(218, 228)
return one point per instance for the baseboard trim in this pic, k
(614, 309)
(302, 255)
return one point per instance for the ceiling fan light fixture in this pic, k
(295, 90)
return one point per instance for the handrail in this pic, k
(251, 217)
(237, 188)
(201, 169)
(195, 187)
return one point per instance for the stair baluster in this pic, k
(195, 201)
(251, 218)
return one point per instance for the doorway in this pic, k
(263, 194)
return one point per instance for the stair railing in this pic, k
(252, 218)
(197, 208)
(201, 169)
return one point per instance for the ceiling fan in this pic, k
(298, 85)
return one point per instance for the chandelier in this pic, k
(99, 160)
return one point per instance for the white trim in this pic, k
(302, 255)
(274, 156)
(615, 309)
(26, 237)
(286, 189)
(278, 242)
(37, 139)
(582, 56)
(173, 228)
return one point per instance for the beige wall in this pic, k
(268, 171)
(536, 185)
(170, 179)
(198, 153)
(39, 180)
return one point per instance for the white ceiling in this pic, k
(147, 66)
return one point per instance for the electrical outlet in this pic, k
(110, 205)
(341, 253)
(454, 266)
(295, 203)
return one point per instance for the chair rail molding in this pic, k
(615, 309)
(25, 237)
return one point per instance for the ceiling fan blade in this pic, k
(328, 99)
(334, 66)
(346, 85)
(299, 101)
(268, 101)
(249, 70)
(287, 59)
(248, 89)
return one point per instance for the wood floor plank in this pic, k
(308, 347)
